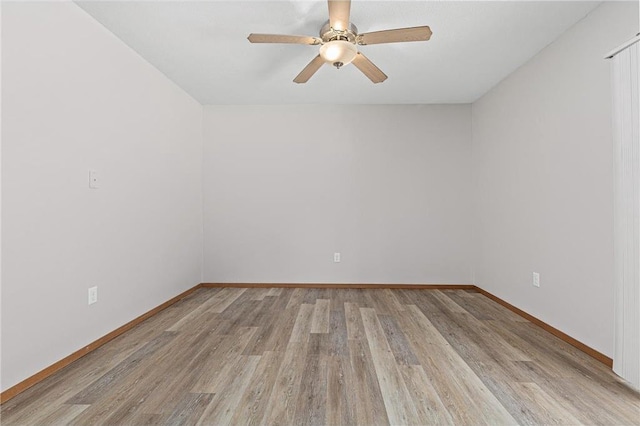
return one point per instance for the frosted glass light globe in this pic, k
(338, 52)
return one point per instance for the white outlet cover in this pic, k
(93, 295)
(536, 279)
(336, 257)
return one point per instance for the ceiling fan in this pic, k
(338, 42)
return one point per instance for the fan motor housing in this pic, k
(328, 34)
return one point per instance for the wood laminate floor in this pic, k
(331, 356)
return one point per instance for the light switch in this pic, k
(536, 279)
(93, 295)
(94, 182)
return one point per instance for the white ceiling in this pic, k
(202, 46)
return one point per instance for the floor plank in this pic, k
(253, 405)
(282, 404)
(370, 408)
(430, 408)
(399, 406)
(320, 322)
(340, 405)
(189, 409)
(230, 390)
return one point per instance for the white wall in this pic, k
(75, 97)
(386, 186)
(542, 167)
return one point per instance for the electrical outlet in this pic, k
(536, 279)
(336, 257)
(93, 295)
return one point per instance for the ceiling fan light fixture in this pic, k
(339, 40)
(338, 52)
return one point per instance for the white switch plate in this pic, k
(93, 295)
(536, 279)
(336, 257)
(94, 182)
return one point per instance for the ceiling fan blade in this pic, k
(396, 36)
(278, 38)
(309, 70)
(369, 69)
(339, 11)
